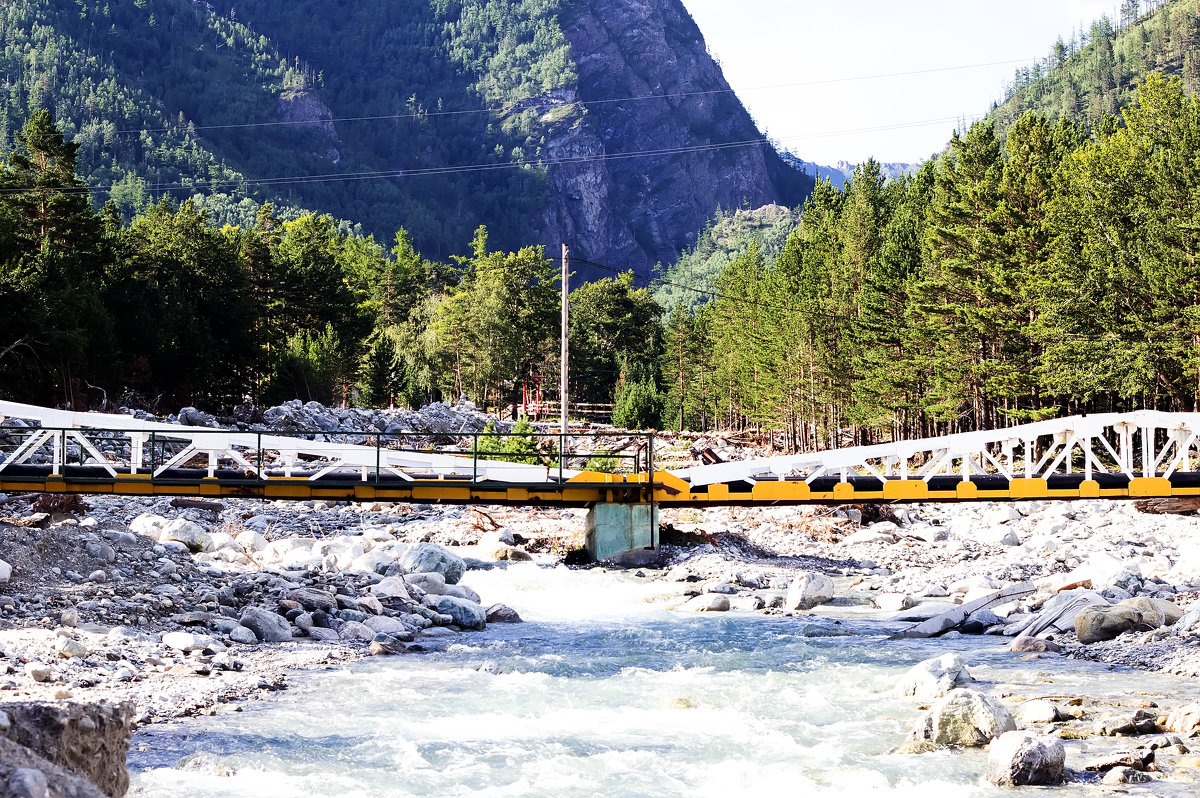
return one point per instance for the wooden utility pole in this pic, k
(562, 390)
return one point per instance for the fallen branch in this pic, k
(198, 504)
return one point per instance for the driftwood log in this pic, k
(1173, 504)
(940, 624)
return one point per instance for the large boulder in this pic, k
(1095, 624)
(808, 589)
(186, 532)
(961, 717)
(1184, 719)
(1019, 758)
(312, 598)
(148, 525)
(1152, 609)
(465, 613)
(935, 677)
(266, 625)
(430, 583)
(430, 557)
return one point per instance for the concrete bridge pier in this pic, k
(616, 528)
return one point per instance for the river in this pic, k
(604, 692)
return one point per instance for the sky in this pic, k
(797, 64)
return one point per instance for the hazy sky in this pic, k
(767, 48)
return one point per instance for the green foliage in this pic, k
(176, 98)
(521, 446)
(638, 403)
(1096, 72)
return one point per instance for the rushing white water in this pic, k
(604, 692)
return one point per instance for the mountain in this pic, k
(842, 171)
(601, 123)
(1095, 72)
(690, 279)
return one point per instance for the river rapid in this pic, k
(602, 691)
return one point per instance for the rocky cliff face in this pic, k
(621, 206)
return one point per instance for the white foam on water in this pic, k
(603, 692)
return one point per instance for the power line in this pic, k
(520, 105)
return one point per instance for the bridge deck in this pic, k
(1112, 456)
(587, 488)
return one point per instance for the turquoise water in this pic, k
(604, 692)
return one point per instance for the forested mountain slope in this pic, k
(1094, 72)
(435, 115)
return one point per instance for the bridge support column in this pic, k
(614, 528)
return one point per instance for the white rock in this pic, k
(251, 540)
(808, 589)
(184, 641)
(707, 602)
(935, 677)
(5, 571)
(148, 524)
(219, 540)
(186, 532)
(1019, 758)
(962, 717)
(894, 602)
(1001, 514)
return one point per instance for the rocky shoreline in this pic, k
(176, 611)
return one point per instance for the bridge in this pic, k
(1102, 456)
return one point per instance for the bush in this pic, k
(638, 405)
(519, 447)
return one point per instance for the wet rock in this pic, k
(962, 717)
(465, 613)
(808, 589)
(266, 625)
(935, 677)
(1019, 758)
(430, 557)
(502, 613)
(1139, 759)
(1034, 645)
(1038, 710)
(707, 602)
(1126, 776)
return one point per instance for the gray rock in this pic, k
(383, 624)
(808, 589)
(324, 635)
(935, 677)
(1019, 758)
(28, 783)
(463, 592)
(244, 635)
(186, 532)
(266, 625)
(353, 630)
(430, 557)
(465, 613)
(313, 599)
(69, 648)
(962, 717)
(502, 613)
(1095, 624)
(38, 671)
(429, 582)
